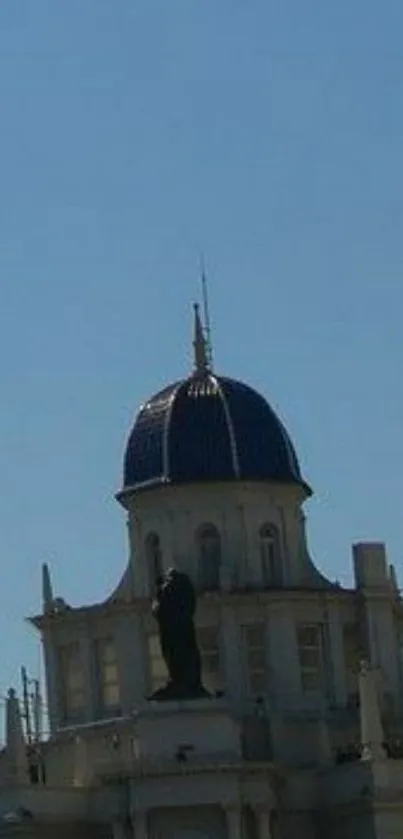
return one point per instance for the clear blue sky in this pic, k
(134, 135)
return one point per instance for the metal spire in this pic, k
(201, 361)
(206, 312)
(203, 355)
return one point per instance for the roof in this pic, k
(208, 428)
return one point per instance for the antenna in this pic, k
(206, 313)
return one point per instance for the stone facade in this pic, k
(299, 740)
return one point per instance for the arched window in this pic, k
(154, 557)
(209, 557)
(270, 559)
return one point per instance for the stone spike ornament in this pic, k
(47, 589)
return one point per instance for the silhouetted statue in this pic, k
(174, 608)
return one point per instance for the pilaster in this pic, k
(132, 661)
(284, 659)
(372, 735)
(336, 651)
(90, 677)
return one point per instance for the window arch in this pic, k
(154, 557)
(209, 557)
(270, 558)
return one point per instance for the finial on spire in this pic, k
(199, 343)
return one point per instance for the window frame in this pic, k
(312, 674)
(104, 681)
(71, 669)
(256, 675)
(209, 557)
(270, 554)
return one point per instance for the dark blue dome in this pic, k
(208, 428)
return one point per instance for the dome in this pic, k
(208, 428)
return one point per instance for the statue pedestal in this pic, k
(183, 729)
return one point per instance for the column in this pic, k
(81, 771)
(234, 821)
(263, 819)
(140, 822)
(232, 654)
(121, 830)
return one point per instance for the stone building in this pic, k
(299, 738)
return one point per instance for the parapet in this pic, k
(186, 730)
